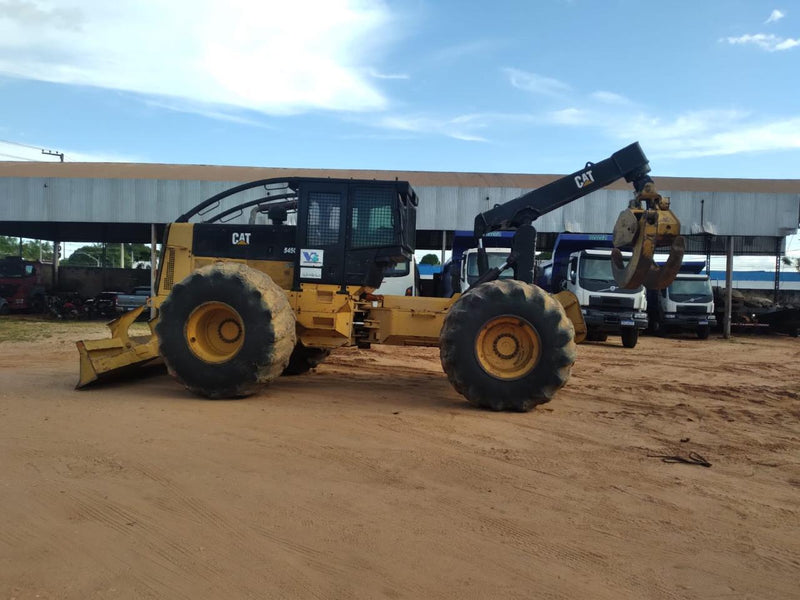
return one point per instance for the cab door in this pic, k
(321, 234)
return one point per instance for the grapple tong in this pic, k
(647, 224)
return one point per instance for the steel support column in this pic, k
(728, 288)
(153, 257)
(777, 289)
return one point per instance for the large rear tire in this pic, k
(507, 345)
(303, 359)
(226, 330)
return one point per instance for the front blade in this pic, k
(119, 355)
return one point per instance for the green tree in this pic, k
(792, 262)
(429, 259)
(9, 246)
(93, 255)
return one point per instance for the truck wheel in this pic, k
(630, 335)
(657, 327)
(304, 359)
(225, 330)
(38, 304)
(703, 331)
(507, 345)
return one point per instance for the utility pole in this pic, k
(60, 155)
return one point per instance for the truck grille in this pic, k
(693, 310)
(610, 302)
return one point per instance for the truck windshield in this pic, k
(595, 275)
(401, 269)
(691, 290)
(495, 260)
(14, 269)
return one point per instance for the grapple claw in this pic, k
(660, 277)
(644, 271)
(643, 230)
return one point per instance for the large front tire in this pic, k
(225, 330)
(507, 345)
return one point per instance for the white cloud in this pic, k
(270, 56)
(570, 116)
(609, 97)
(735, 137)
(691, 134)
(775, 16)
(463, 127)
(378, 75)
(765, 41)
(539, 84)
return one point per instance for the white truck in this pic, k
(582, 265)
(461, 271)
(686, 305)
(400, 280)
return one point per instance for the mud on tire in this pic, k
(498, 301)
(259, 330)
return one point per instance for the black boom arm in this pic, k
(630, 163)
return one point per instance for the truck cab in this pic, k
(401, 279)
(461, 271)
(686, 305)
(23, 283)
(582, 266)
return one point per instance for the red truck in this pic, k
(24, 283)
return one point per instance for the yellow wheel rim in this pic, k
(508, 347)
(214, 332)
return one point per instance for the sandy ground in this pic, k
(371, 478)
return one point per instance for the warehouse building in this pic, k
(124, 202)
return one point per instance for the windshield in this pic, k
(596, 276)
(496, 260)
(401, 269)
(14, 269)
(691, 290)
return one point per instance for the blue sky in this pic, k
(709, 88)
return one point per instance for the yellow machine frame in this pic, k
(325, 317)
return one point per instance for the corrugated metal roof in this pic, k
(138, 193)
(417, 178)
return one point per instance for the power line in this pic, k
(20, 144)
(20, 157)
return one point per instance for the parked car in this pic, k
(137, 298)
(104, 305)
